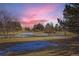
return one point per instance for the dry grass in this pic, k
(5, 40)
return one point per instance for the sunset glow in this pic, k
(30, 14)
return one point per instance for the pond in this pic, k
(25, 46)
(24, 34)
(30, 34)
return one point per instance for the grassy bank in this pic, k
(5, 40)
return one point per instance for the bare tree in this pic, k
(8, 22)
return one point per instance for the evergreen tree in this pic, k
(38, 27)
(71, 17)
(49, 28)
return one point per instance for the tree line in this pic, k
(8, 23)
(70, 22)
(48, 28)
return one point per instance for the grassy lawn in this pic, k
(12, 32)
(52, 52)
(4, 40)
(67, 33)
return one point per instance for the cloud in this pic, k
(37, 15)
(30, 23)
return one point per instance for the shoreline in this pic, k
(29, 39)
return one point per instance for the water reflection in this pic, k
(26, 46)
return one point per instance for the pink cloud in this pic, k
(35, 15)
(30, 23)
(38, 11)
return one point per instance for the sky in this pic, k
(30, 14)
